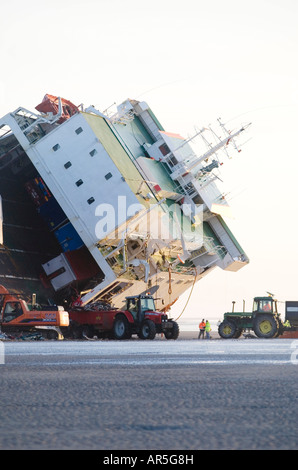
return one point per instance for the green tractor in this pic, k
(264, 320)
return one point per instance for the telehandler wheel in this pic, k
(227, 329)
(265, 326)
(121, 328)
(147, 330)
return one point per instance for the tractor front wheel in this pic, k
(227, 329)
(147, 330)
(172, 333)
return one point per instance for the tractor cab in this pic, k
(138, 305)
(264, 305)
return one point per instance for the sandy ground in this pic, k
(194, 335)
(233, 394)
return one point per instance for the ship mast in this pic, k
(230, 138)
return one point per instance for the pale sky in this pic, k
(192, 61)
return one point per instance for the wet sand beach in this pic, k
(193, 334)
(142, 395)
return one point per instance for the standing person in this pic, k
(207, 329)
(202, 326)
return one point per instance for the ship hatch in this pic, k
(27, 241)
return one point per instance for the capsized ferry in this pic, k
(101, 205)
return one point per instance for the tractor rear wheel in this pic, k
(227, 329)
(121, 328)
(147, 330)
(265, 326)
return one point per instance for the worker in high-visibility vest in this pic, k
(207, 329)
(202, 326)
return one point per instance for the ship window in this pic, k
(164, 149)
(93, 152)
(91, 200)
(108, 176)
(67, 165)
(197, 199)
(56, 147)
(79, 182)
(79, 130)
(172, 161)
(112, 261)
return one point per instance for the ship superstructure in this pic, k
(110, 204)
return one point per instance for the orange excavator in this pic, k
(19, 318)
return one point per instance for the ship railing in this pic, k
(4, 130)
(185, 183)
(29, 123)
(24, 118)
(177, 186)
(209, 248)
(213, 248)
(123, 117)
(181, 185)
